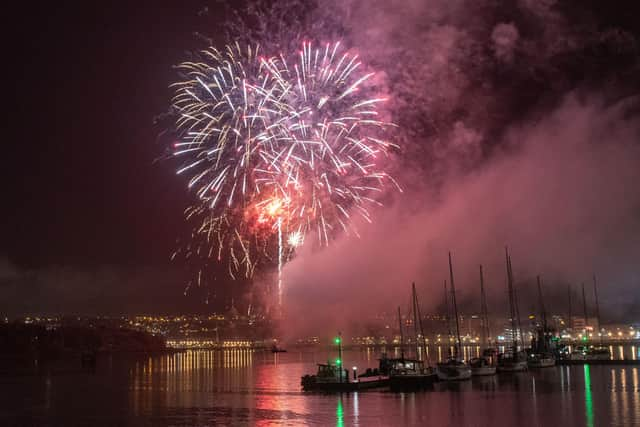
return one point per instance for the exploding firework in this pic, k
(224, 103)
(327, 157)
(276, 147)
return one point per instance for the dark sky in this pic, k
(90, 78)
(81, 189)
(85, 203)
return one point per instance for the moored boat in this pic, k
(480, 366)
(411, 374)
(541, 360)
(454, 368)
(332, 378)
(485, 364)
(579, 353)
(598, 353)
(540, 355)
(512, 362)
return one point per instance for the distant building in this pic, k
(579, 324)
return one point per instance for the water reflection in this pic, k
(248, 387)
(588, 401)
(339, 413)
(356, 408)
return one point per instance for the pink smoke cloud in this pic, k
(562, 193)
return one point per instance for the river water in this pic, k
(245, 387)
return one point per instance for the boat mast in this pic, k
(484, 313)
(570, 324)
(512, 313)
(515, 298)
(455, 308)
(446, 307)
(586, 318)
(415, 317)
(401, 335)
(424, 343)
(595, 291)
(543, 314)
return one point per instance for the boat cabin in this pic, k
(331, 373)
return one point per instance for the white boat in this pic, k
(481, 367)
(512, 362)
(453, 370)
(599, 352)
(484, 365)
(541, 360)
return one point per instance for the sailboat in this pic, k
(412, 374)
(580, 351)
(540, 355)
(512, 360)
(600, 352)
(454, 368)
(447, 317)
(483, 365)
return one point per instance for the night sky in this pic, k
(85, 189)
(90, 217)
(82, 189)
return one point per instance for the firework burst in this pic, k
(330, 146)
(224, 103)
(275, 147)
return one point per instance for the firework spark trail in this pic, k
(280, 247)
(329, 141)
(277, 146)
(224, 102)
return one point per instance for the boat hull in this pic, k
(541, 363)
(453, 373)
(310, 384)
(513, 367)
(483, 371)
(598, 355)
(481, 366)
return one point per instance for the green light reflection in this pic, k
(588, 402)
(339, 414)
